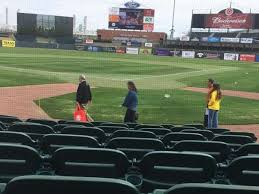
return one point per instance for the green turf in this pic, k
(181, 107)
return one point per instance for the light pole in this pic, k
(173, 29)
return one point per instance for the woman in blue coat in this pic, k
(131, 103)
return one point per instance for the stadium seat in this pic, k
(219, 150)
(18, 160)
(2, 126)
(196, 188)
(132, 125)
(98, 123)
(110, 129)
(90, 162)
(133, 133)
(179, 129)
(16, 138)
(87, 131)
(50, 143)
(50, 123)
(234, 141)
(78, 123)
(141, 126)
(34, 130)
(167, 126)
(59, 127)
(206, 133)
(162, 170)
(9, 120)
(136, 148)
(219, 130)
(197, 126)
(244, 171)
(115, 125)
(161, 132)
(248, 149)
(172, 138)
(68, 185)
(252, 135)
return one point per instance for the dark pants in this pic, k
(130, 116)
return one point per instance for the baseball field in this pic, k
(161, 82)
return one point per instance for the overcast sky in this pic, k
(97, 10)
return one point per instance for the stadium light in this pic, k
(173, 29)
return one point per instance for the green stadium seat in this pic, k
(90, 162)
(172, 138)
(161, 132)
(135, 148)
(111, 129)
(2, 126)
(206, 133)
(141, 126)
(50, 123)
(179, 129)
(167, 126)
(248, 150)
(57, 128)
(78, 123)
(162, 170)
(98, 123)
(252, 135)
(115, 125)
(9, 120)
(196, 188)
(50, 143)
(218, 130)
(18, 160)
(68, 185)
(132, 125)
(34, 130)
(219, 150)
(87, 131)
(244, 171)
(16, 138)
(133, 133)
(197, 126)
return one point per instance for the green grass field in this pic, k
(154, 76)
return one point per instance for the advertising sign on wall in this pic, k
(247, 57)
(246, 40)
(188, 54)
(207, 55)
(132, 51)
(257, 58)
(8, 43)
(121, 50)
(231, 56)
(213, 39)
(162, 52)
(149, 45)
(230, 40)
(145, 51)
(185, 38)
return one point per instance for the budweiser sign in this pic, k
(234, 21)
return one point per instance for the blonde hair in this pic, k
(82, 77)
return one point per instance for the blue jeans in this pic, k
(213, 119)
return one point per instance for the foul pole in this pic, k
(173, 29)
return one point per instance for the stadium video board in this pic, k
(44, 25)
(131, 19)
(226, 19)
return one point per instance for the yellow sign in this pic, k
(8, 43)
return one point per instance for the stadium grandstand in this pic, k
(58, 136)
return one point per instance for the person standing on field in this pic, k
(214, 106)
(131, 103)
(83, 94)
(210, 87)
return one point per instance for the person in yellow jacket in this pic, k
(214, 106)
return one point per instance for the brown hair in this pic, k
(216, 87)
(132, 86)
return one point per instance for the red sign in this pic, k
(233, 21)
(148, 27)
(149, 12)
(247, 57)
(121, 50)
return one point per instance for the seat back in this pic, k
(197, 126)
(2, 125)
(219, 150)
(244, 171)
(9, 120)
(50, 143)
(179, 129)
(141, 126)
(206, 133)
(50, 123)
(252, 135)
(111, 129)
(34, 130)
(165, 169)
(90, 162)
(195, 188)
(158, 131)
(17, 160)
(87, 131)
(133, 133)
(98, 123)
(68, 185)
(248, 149)
(15, 138)
(235, 141)
(218, 130)
(59, 127)
(78, 123)
(132, 125)
(135, 148)
(172, 138)
(167, 126)
(115, 125)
